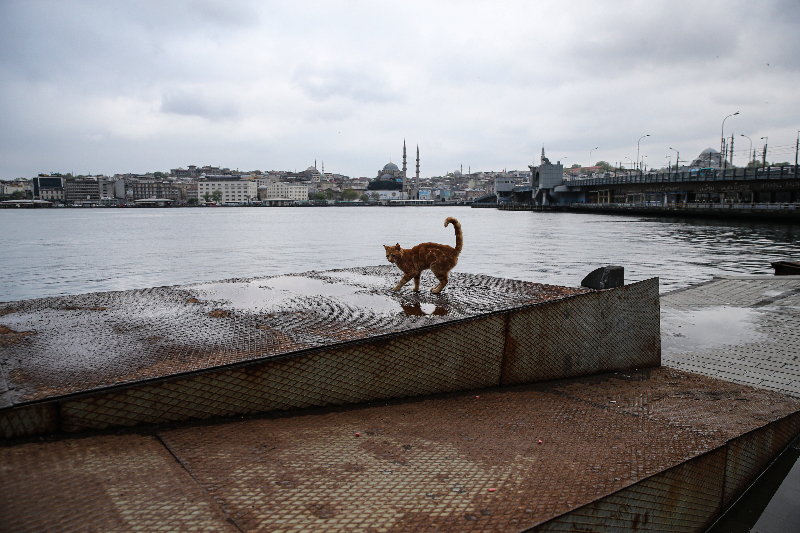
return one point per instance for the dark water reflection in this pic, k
(72, 251)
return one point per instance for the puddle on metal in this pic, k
(266, 295)
(770, 294)
(772, 503)
(364, 280)
(708, 328)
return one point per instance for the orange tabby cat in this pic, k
(440, 258)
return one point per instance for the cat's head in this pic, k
(393, 253)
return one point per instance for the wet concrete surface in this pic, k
(50, 347)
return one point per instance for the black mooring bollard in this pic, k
(608, 277)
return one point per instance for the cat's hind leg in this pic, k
(443, 278)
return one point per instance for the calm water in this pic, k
(71, 251)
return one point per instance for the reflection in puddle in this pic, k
(423, 309)
(710, 327)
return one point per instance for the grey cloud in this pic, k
(362, 85)
(194, 102)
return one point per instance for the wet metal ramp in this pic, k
(739, 328)
(253, 345)
(649, 450)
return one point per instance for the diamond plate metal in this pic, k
(751, 453)
(248, 346)
(102, 484)
(651, 450)
(458, 357)
(429, 464)
(617, 329)
(684, 498)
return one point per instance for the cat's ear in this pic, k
(397, 246)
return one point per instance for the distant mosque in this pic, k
(391, 178)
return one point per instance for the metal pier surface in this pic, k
(653, 449)
(739, 328)
(649, 450)
(321, 338)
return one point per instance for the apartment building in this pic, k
(233, 189)
(144, 189)
(288, 190)
(79, 191)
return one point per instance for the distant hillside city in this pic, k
(211, 185)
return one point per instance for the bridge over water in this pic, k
(734, 185)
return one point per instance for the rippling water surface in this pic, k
(71, 251)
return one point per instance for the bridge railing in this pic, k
(730, 174)
(704, 205)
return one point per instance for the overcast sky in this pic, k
(114, 87)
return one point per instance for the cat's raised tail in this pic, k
(459, 237)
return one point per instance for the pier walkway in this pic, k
(647, 448)
(736, 328)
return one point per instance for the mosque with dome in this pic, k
(392, 182)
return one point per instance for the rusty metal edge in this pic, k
(724, 448)
(735, 499)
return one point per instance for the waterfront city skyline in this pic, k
(105, 89)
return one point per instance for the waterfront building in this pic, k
(7, 189)
(50, 188)
(291, 191)
(143, 189)
(81, 192)
(233, 189)
(386, 195)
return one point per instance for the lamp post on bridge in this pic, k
(677, 158)
(749, 151)
(637, 148)
(590, 155)
(764, 155)
(722, 142)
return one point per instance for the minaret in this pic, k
(417, 180)
(405, 186)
